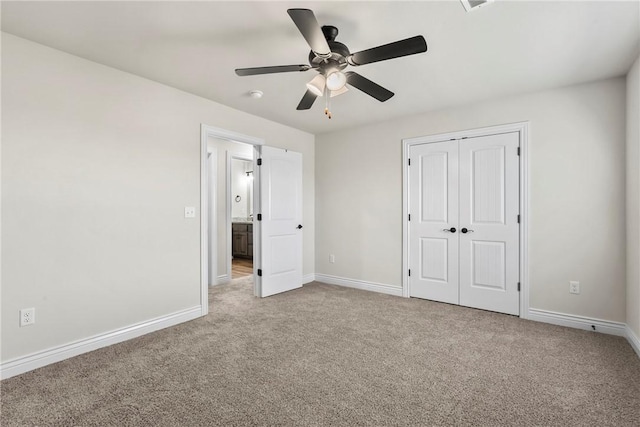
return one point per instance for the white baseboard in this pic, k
(360, 284)
(633, 339)
(222, 279)
(578, 322)
(46, 357)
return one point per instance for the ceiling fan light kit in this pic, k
(329, 58)
(336, 80)
(340, 91)
(316, 85)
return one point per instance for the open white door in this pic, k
(280, 267)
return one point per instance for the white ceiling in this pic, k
(503, 48)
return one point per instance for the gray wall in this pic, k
(633, 198)
(97, 167)
(577, 165)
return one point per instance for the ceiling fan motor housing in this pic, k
(337, 60)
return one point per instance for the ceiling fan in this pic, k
(329, 58)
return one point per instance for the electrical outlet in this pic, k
(332, 258)
(27, 316)
(189, 212)
(574, 287)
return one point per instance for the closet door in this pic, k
(489, 228)
(433, 234)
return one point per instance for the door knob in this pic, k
(465, 231)
(450, 230)
(299, 226)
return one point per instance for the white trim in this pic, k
(211, 207)
(523, 129)
(578, 322)
(204, 227)
(359, 284)
(207, 131)
(469, 133)
(257, 225)
(308, 278)
(525, 219)
(56, 354)
(405, 216)
(633, 339)
(230, 135)
(222, 279)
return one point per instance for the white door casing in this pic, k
(281, 224)
(212, 158)
(433, 203)
(489, 209)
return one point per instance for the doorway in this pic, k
(215, 212)
(240, 212)
(465, 235)
(275, 238)
(230, 196)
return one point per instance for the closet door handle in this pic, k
(465, 231)
(449, 230)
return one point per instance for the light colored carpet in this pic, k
(325, 355)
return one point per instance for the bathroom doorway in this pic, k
(240, 199)
(231, 208)
(274, 240)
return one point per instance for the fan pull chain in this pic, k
(327, 105)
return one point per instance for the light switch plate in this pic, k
(189, 212)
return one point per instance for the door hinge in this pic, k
(518, 218)
(518, 286)
(259, 162)
(259, 217)
(409, 162)
(409, 272)
(260, 272)
(518, 151)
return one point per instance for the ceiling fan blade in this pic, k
(368, 87)
(308, 25)
(269, 70)
(397, 49)
(307, 100)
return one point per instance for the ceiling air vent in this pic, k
(470, 5)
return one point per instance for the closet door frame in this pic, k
(523, 130)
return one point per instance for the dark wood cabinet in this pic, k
(242, 240)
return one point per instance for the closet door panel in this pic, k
(433, 235)
(489, 208)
